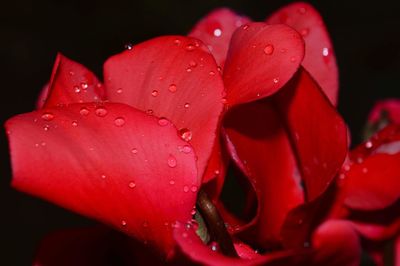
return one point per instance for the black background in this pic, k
(366, 37)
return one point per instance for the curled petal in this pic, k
(110, 162)
(216, 30)
(317, 131)
(319, 57)
(261, 59)
(71, 83)
(173, 77)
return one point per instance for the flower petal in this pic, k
(44, 93)
(173, 77)
(71, 83)
(261, 59)
(317, 131)
(216, 30)
(319, 57)
(336, 243)
(374, 183)
(390, 106)
(191, 245)
(110, 162)
(261, 148)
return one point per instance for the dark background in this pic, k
(366, 37)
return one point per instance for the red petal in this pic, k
(336, 243)
(154, 76)
(216, 30)
(373, 184)
(109, 162)
(191, 245)
(318, 132)
(44, 93)
(390, 106)
(378, 232)
(319, 58)
(263, 152)
(261, 59)
(71, 83)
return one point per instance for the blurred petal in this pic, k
(317, 131)
(71, 83)
(216, 30)
(319, 57)
(173, 77)
(110, 162)
(261, 59)
(261, 148)
(336, 243)
(390, 106)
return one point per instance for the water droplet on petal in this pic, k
(172, 88)
(368, 145)
(185, 189)
(172, 182)
(190, 47)
(132, 184)
(84, 111)
(214, 246)
(46, 127)
(212, 73)
(187, 105)
(325, 51)
(77, 89)
(217, 32)
(194, 189)
(177, 42)
(293, 59)
(304, 32)
(128, 46)
(269, 49)
(192, 63)
(74, 123)
(47, 116)
(185, 134)
(302, 10)
(123, 223)
(171, 161)
(101, 111)
(365, 170)
(149, 112)
(276, 80)
(103, 176)
(134, 151)
(186, 149)
(163, 122)
(119, 121)
(154, 93)
(119, 91)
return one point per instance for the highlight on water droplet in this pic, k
(119, 90)
(194, 188)
(192, 63)
(171, 161)
(217, 32)
(325, 51)
(214, 246)
(134, 151)
(132, 184)
(368, 145)
(154, 93)
(190, 47)
(123, 223)
(74, 123)
(177, 42)
(46, 127)
(47, 116)
(101, 111)
(119, 121)
(163, 121)
(128, 46)
(185, 189)
(103, 176)
(77, 89)
(186, 149)
(212, 73)
(185, 134)
(276, 80)
(84, 85)
(171, 182)
(269, 49)
(186, 105)
(172, 88)
(84, 111)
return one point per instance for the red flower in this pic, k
(134, 151)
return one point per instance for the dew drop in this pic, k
(185, 189)
(187, 105)
(77, 89)
(194, 188)
(46, 127)
(149, 112)
(325, 51)
(186, 149)
(172, 88)
(103, 176)
(217, 32)
(177, 42)
(304, 32)
(214, 246)
(365, 170)
(269, 49)
(119, 91)
(172, 182)
(245, 27)
(101, 111)
(84, 111)
(163, 122)
(123, 223)
(43, 143)
(185, 134)
(74, 123)
(47, 116)
(154, 93)
(192, 63)
(119, 121)
(293, 59)
(84, 85)
(302, 10)
(276, 80)
(190, 47)
(171, 161)
(212, 73)
(368, 145)
(134, 151)
(132, 184)
(128, 46)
